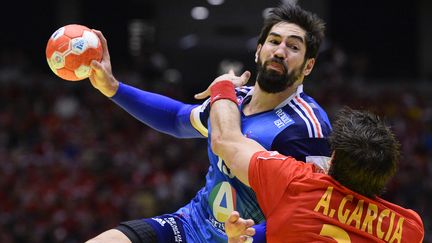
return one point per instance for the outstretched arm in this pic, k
(227, 140)
(159, 112)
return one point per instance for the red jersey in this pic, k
(301, 205)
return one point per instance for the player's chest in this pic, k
(264, 127)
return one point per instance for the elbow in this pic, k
(217, 143)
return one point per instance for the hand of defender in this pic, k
(238, 229)
(101, 76)
(236, 80)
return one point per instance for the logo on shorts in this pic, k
(160, 221)
(170, 223)
(175, 228)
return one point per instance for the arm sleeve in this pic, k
(157, 111)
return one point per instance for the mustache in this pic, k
(278, 61)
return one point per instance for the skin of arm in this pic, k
(227, 140)
(236, 150)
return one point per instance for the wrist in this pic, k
(223, 90)
(110, 89)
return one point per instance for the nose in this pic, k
(280, 51)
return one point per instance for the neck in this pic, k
(263, 101)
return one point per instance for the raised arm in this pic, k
(157, 111)
(227, 140)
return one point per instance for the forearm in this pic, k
(159, 112)
(225, 129)
(227, 140)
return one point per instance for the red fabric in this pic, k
(301, 205)
(223, 90)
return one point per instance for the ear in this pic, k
(309, 66)
(257, 52)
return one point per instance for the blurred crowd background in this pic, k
(73, 164)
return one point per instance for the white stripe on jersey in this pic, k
(302, 117)
(307, 109)
(305, 112)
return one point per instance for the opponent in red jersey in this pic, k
(303, 205)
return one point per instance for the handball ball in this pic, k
(70, 51)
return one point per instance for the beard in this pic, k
(272, 81)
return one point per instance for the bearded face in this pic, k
(274, 76)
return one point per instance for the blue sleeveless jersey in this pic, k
(298, 127)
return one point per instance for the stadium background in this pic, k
(72, 164)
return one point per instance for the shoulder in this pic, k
(310, 118)
(308, 132)
(274, 161)
(201, 113)
(412, 216)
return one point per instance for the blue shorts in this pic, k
(168, 228)
(163, 228)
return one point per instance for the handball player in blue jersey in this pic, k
(275, 112)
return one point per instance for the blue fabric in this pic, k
(299, 127)
(157, 111)
(168, 228)
(260, 233)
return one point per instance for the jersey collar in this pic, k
(299, 90)
(297, 93)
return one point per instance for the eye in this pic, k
(294, 47)
(273, 41)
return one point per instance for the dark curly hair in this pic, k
(292, 13)
(366, 152)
